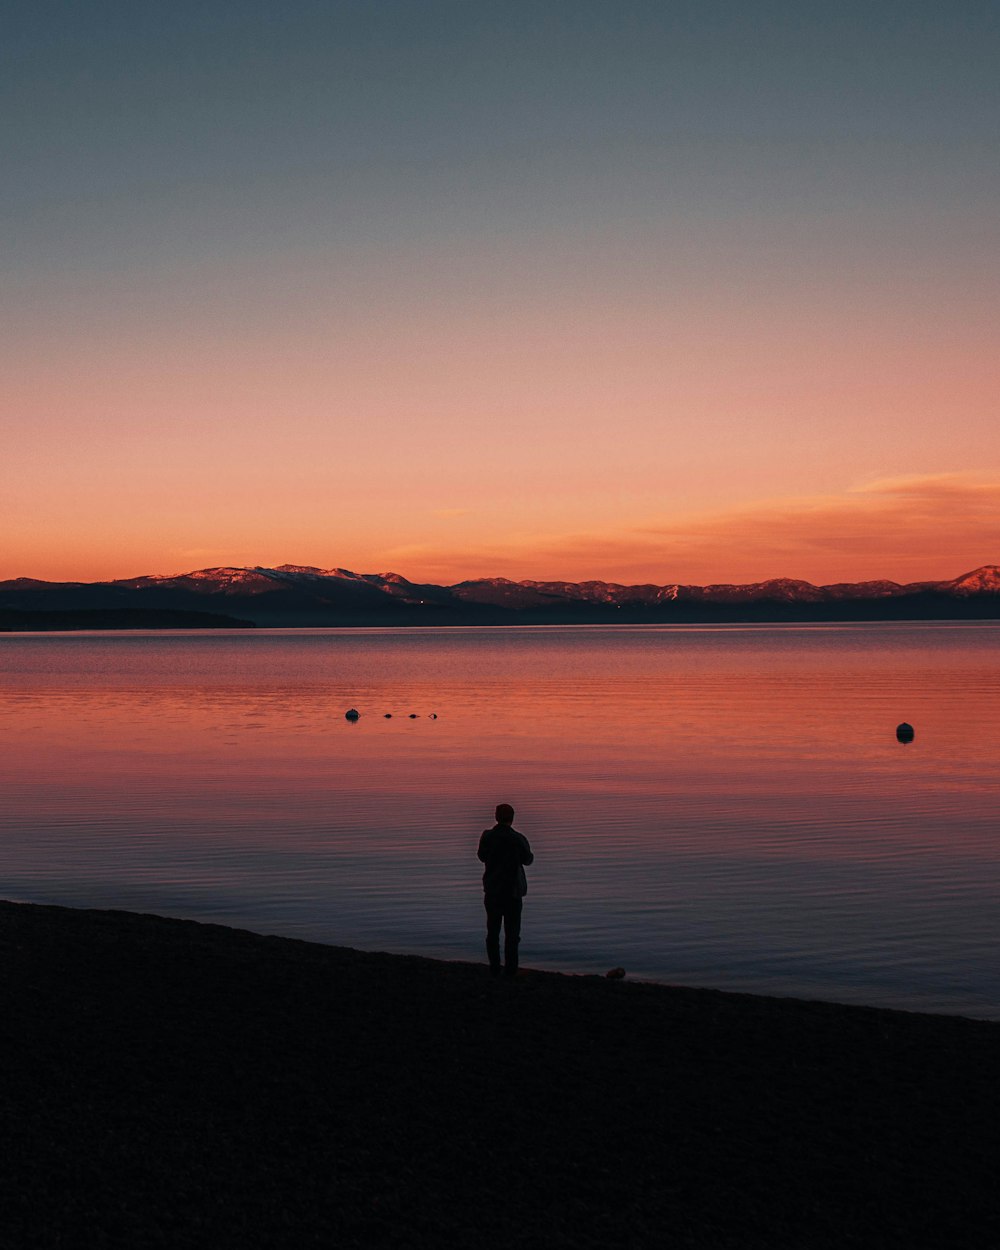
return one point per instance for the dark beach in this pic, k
(173, 1084)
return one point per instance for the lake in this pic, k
(718, 806)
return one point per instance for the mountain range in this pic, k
(300, 595)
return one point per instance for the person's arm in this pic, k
(481, 853)
(526, 855)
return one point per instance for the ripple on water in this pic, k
(719, 806)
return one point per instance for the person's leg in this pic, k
(494, 918)
(511, 934)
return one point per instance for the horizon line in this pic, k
(334, 570)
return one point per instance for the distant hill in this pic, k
(14, 621)
(300, 595)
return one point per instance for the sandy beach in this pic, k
(167, 1083)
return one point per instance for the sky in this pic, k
(639, 290)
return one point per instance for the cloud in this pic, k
(902, 528)
(932, 486)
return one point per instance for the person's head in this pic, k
(505, 814)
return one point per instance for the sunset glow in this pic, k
(635, 292)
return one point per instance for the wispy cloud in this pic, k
(905, 528)
(931, 486)
(893, 527)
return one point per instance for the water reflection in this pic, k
(725, 806)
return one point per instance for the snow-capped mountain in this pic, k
(984, 581)
(296, 594)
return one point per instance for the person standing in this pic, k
(505, 852)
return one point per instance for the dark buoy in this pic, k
(904, 732)
(433, 716)
(388, 716)
(413, 716)
(352, 713)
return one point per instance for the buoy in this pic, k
(904, 732)
(388, 716)
(413, 716)
(433, 716)
(352, 713)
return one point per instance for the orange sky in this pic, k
(637, 301)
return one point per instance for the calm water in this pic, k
(722, 806)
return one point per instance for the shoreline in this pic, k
(172, 1083)
(266, 626)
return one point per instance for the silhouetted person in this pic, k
(505, 852)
